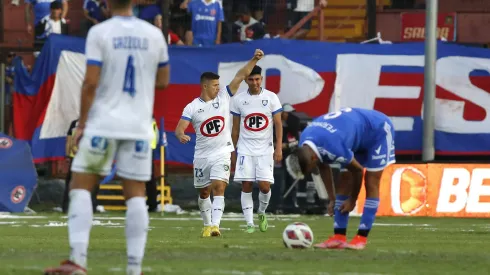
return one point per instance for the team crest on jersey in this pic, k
(256, 122)
(245, 103)
(200, 111)
(264, 102)
(212, 126)
(216, 105)
(213, 12)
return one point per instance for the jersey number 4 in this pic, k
(337, 114)
(128, 86)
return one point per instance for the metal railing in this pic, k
(318, 10)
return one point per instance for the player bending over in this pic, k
(357, 139)
(126, 59)
(209, 115)
(254, 114)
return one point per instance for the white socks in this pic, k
(205, 208)
(79, 224)
(137, 222)
(218, 208)
(248, 207)
(263, 202)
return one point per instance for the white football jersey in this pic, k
(129, 52)
(211, 122)
(256, 123)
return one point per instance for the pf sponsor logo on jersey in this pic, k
(212, 126)
(408, 190)
(256, 122)
(5, 143)
(18, 194)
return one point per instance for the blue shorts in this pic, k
(381, 151)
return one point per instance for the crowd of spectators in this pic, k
(192, 22)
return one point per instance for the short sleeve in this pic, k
(327, 146)
(93, 48)
(226, 93)
(234, 110)
(187, 113)
(190, 6)
(276, 106)
(220, 14)
(163, 52)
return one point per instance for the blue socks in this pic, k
(368, 216)
(340, 220)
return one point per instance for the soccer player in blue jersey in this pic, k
(207, 16)
(358, 139)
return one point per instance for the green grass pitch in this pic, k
(402, 245)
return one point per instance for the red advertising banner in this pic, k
(413, 26)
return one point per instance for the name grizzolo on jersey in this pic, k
(210, 121)
(256, 127)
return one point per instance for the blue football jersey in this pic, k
(339, 136)
(205, 18)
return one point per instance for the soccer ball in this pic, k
(297, 235)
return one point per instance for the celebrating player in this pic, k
(209, 115)
(253, 114)
(356, 139)
(126, 59)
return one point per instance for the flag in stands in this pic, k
(315, 77)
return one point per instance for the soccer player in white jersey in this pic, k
(209, 115)
(127, 58)
(255, 114)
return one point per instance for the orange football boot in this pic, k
(358, 243)
(66, 268)
(335, 242)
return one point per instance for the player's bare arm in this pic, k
(92, 76)
(278, 132)
(244, 72)
(179, 131)
(356, 170)
(218, 33)
(326, 174)
(163, 77)
(235, 133)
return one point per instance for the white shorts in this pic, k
(254, 168)
(208, 169)
(96, 155)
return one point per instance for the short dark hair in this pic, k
(119, 4)
(206, 76)
(55, 5)
(256, 70)
(304, 158)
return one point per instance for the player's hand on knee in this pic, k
(184, 139)
(258, 54)
(347, 206)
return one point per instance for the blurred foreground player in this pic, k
(357, 139)
(254, 115)
(209, 115)
(126, 59)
